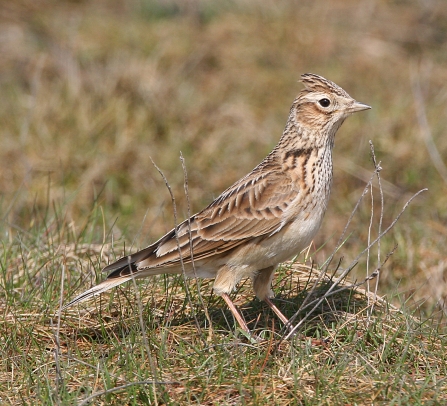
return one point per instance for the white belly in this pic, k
(281, 246)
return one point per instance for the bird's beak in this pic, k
(357, 106)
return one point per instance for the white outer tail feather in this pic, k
(98, 289)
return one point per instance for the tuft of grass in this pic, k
(153, 343)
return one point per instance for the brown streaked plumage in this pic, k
(262, 220)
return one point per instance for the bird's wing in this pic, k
(253, 207)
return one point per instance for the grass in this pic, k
(343, 354)
(91, 91)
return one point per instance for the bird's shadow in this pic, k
(319, 312)
(198, 311)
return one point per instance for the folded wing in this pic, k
(252, 207)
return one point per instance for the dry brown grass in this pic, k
(341, 351)
(91, 90)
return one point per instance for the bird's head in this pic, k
(323, 105)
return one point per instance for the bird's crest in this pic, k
(316, 83)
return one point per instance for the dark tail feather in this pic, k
(130, 260)
(139, 256)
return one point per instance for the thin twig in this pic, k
(185, 184)
(331, 291)
(363, 174)
(57, 351)
(370, 277)
(188, 295)
(382, 205)
(396, 219)
(371, 221)
(356, 260)
(304, 305)
(143, 329)
(340, 241)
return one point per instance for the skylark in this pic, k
(265, 218)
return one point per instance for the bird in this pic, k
(265, 218)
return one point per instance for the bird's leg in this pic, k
(272, 306)
(281, 316)
(262, 286)
(235, 312)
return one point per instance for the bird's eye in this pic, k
(324, 102)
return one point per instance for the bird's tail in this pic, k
(126, 268)
(98, 289)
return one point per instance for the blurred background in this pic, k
(91, 91)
